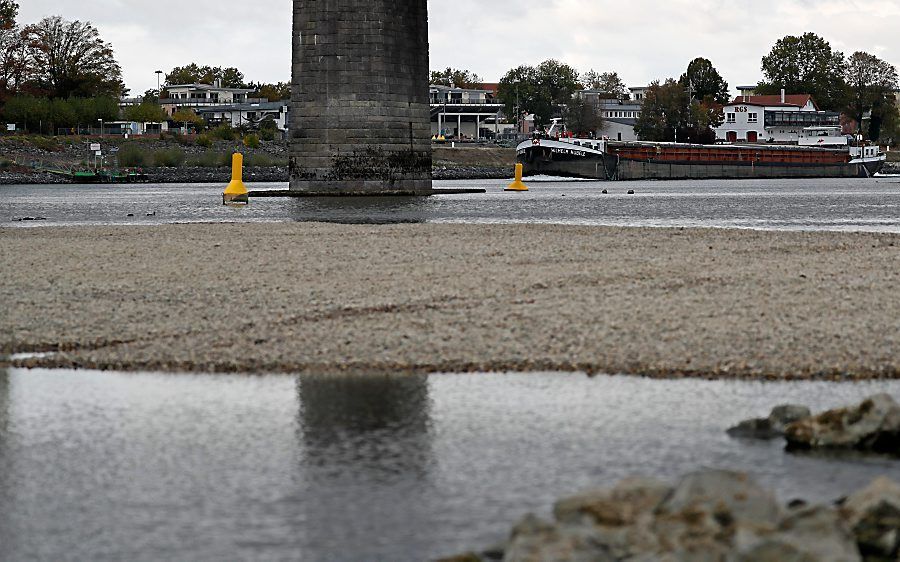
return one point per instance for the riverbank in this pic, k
(177, 160)
(306, 297)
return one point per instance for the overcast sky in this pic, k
(643, 40)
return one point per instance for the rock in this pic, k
(773, 426)
(622, 505)
(534, 540)
(873, 426)
(814, 534)
(621, 518)
(720, 498)
(874, 516)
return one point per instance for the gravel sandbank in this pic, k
(436, 298)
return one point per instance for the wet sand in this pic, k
(453, 298)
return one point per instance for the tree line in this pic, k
(860, 86)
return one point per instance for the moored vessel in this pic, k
(822, 152)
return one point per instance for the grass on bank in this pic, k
(134, 156)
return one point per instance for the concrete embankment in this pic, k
(433, 298)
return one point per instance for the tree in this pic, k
(194, 74)
(870, 81)
(542, 90)
(146, 113)
(806, 65)
(453, 77)
(190, 117)
(68, 58)
(582, 118)
(9, 10)
(272, 92)
(12, 61)
(668, 110)
(705, 82)
(608, 84)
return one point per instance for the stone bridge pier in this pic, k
(360, 118)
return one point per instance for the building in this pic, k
(463, 113)
(619, 115)
(775, 118)
(196, 96)
(248, 114)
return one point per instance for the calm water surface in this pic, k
(107, 466)
(831, 204)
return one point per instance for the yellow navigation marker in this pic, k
(236, 193)
(518, 185)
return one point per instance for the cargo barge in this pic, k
(821, 153)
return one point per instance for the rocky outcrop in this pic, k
(773, 426)
(874, 516)
(873, 425)
(715, 516)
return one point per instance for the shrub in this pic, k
(204, 140)
(211, 159)
(267, 134)
(47, 144)
(251, 141)
(224, 132)
(133, 156)
(169, 158)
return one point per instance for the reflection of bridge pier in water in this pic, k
(360, 210)
(362, 435)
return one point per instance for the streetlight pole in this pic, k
(158, 87)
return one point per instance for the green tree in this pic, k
(145, 113)
(582, 117)
(806, 65)
(188, 116)
(62, 114)
(608, 84)
(870, 81)
(704, 82)
(68, 58)
(456, 78)
(542, 90)
(195, 74)
(273, 92)
(29, 112)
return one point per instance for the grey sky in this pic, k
(641, 39)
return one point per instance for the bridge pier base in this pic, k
(360, 119)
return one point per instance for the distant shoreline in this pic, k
(274, 174)
(324, 298)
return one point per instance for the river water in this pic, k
(822, 204)
(97, 466)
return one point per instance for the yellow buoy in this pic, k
(236, 192)
(518, 185)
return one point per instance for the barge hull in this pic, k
(682, 162)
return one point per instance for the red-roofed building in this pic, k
(772, 118)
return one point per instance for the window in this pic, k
(753, 118)
(731, 118)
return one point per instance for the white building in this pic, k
(775, 119)
(619, 115)
(250, 114)
(196, 96)
(463, 113)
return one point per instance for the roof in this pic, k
(790, 100)
(262, 106)
(209, 87)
